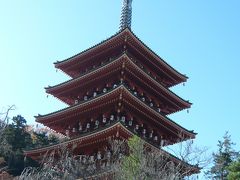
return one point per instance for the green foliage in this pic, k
(223, 158)
(131, 164)
(234, 170)
(145, 163)
(16, 135)
(40, 139)
(14, 139)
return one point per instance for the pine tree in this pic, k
(234, 170)
(15, 139)
(222, 159)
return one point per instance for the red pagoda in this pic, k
(118, 88)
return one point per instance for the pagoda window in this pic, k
(111, 118)
(96, 124)
(104, 120)
(151, 134)
(76, 101)
(118, 118)
(88, 127)
(130, 122)
(99, 156)
(73, 130)
(162, 142)
(143, 97)
(94, 94)
(121, 81)
(85, 98)
(135, 93)
(155, 138)
(123, 119)
(151, 104)
(136, 128)
(104, 90)
(159, 109)
(67, 133)
(144, 132)
(80, 128)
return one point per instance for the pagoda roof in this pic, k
(114, 65)
(116, 129)
(121, 37)
(83, 139)
(52, 89)
(113, 96)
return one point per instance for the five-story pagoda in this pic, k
(118, 88)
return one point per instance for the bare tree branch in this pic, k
(119, 161)
(4, 117)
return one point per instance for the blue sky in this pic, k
(198, 38)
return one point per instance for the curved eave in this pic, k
(101, 135)
(175, 159)
(52, 90)
(113, 94)
(60, 64)
(167, 91)
(45, 118)
(80, 139)
(158, 59)
(165, 119)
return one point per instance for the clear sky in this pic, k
(198, 38)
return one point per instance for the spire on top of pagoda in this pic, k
(126, 15)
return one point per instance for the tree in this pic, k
(131, 165)
(222, 159)
(17, 136)
(121, 160)
(144, 162)
(234, 170)
(42, 138)
(4, 119)
(62, 164)
(15, 139)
